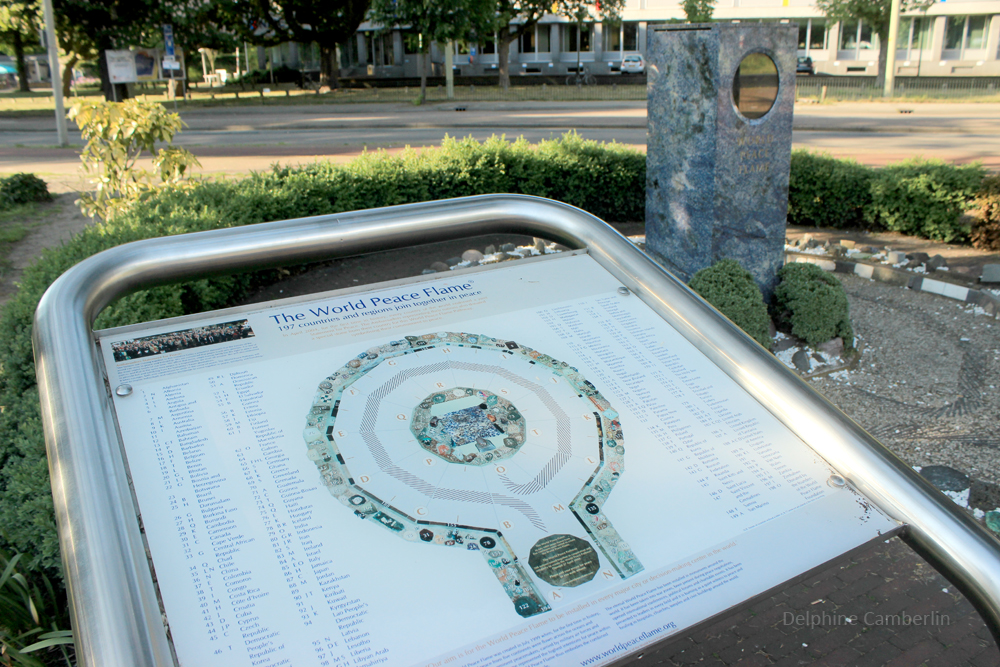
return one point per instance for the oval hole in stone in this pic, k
(755, 86)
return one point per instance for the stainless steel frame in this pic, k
(114, 604)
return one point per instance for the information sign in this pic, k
(513, 465)
(121, 66)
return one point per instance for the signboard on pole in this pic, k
(121, 66)
(168, 39)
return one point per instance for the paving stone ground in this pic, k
(878, 589)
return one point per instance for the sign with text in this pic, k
(537, 462)
(121, 66)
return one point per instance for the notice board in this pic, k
(510, 465)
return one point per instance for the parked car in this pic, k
(805, 66)
(633, 64)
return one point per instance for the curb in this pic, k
(913, 281)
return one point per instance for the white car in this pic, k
(633, 64)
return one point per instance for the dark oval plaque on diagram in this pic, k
(564, 560)
(755, 85)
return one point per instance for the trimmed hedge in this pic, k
(824, 191)
(812, 304)
(986, 229)
(924, 198)
(605, 179)
(918, 197)
(732, 290)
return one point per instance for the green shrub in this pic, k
(824, 191)
(812, 304)
(33, 616)
(986, 229)
(924, 198)
(605, 179)
(23, 189)
(732, 290)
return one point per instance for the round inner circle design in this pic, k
(468, 426)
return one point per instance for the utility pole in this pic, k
(55, 72)
(890, 60)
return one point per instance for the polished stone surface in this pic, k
(716, 179)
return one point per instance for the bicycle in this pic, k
(581, 77)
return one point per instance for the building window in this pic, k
(488, 46)
(349, 53)
(527, 44)
(817, 34)
(955, 32)
(411, 43)
(575, 39)
(630, 36)
(965, 32)
(542, 32)
(621, 37)
(857, 35)
(612, 37)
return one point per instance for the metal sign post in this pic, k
(116, 606)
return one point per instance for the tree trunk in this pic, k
(22, 66)
(425, 59)
(503, 56)
(883, 57)
(67, 77)
(329, 68)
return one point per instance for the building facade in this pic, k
(950, 38)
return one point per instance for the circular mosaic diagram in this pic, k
(479, 443)
(470, 426)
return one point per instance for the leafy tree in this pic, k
(19, 23)
(325, 22)
(434, 21)
(874, 13)
(698, 11)
(111, 24)
(90, 27)
(117, 135)
(513, 18)
(77, 45)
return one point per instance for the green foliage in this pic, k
(604, 179)
(32, 615)
(824, 191)
(698, 11)
(732, 290)
(117, 134)
(23, 189)
(924, 198)
(986, 229)
(812, 304)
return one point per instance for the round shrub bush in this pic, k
(731, 289)
(23, 189)
(812, 304)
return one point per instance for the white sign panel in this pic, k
(519, 466)
(121, 66)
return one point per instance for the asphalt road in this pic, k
(233, 140)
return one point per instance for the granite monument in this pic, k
(719, 145)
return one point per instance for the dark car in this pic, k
(805, 66)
